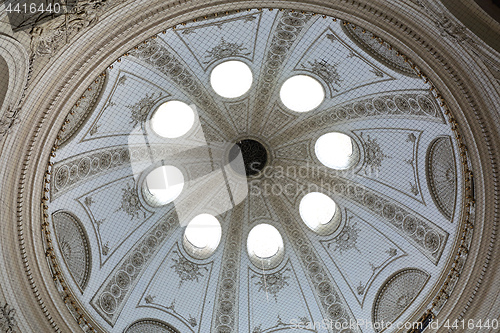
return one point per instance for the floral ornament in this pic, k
(411, 138)
(88, 201)
(326, 71)
(140, 110)
(332, 37)
(456, 32)
(392, 252)
(352, 55)
(105, 249)
(7, 121)
(130, 203)
(272, 283)
(122, 80)
(360, 288)
(414, 189)
(224, 50)
(149, 299)
(377, 72)
(188, 31)
(192, 321)
(98, 223)
(249, 19)
(279, 322)
(94, 130)
(257, 329)
(8, 323)
(374, 268)
(373, 154)
(187, 270)
(172, 306)
(62, 176)
(347, 239)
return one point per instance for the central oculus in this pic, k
(254, 157)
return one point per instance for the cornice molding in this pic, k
(453, 70)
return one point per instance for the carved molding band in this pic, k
(225, 313)
(442, 175)
(155, 54)
(71, 172)
(397, 293)
(420, 104)
(329, 297)
(150, 326)
(48, 37)
(290, 25)
(112, 295)
(381, 51)
(17, 78)
(426, 236)
(74, 246)
(81, 112)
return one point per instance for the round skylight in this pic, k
(334, 150)
(264, 241)
(302, 93)
(231, 79)
(317, 209)
(164, 184)
(172, 119)
(204, 231)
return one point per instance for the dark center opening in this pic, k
(254, 157)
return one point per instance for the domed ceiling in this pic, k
(123, 259)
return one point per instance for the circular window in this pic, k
(318, 211)
(302, 93)
(335, 150)
(231, 79)
(163, 185)
(202, 236)
(172, 119)
(265, 246)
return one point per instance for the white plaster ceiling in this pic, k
(138, 258)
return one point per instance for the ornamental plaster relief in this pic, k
(460, 268)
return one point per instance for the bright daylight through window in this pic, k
(317, 209)
(165, 184)
(231, 79)
(173, 119)
(264, 241)
(302, 93)
(204, 231)
(335, 150)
